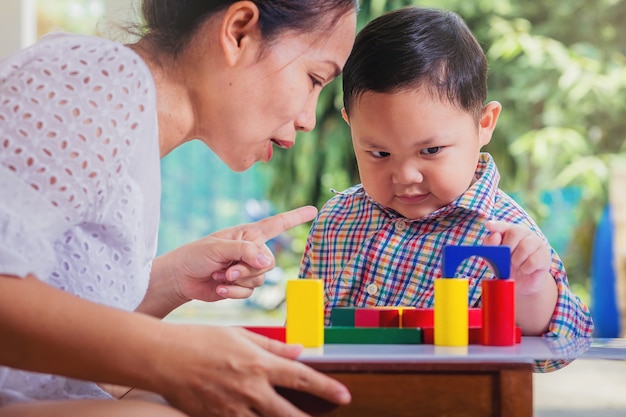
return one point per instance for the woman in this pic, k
(83, 122)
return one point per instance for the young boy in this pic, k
(414, 93)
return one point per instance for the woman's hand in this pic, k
(202, 370)
(229, 263)
(225, 371)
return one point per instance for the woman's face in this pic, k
(263, 102)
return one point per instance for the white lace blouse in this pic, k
(79, 181)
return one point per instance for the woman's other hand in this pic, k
(227, 371)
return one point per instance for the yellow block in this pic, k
(451, 314)
(305, 312)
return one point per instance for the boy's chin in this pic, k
(415, 213)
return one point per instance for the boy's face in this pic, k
(417, 153)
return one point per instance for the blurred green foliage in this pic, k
(558, 68)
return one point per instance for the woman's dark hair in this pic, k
(171, 23)
(417, 47)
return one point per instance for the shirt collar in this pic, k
(478, 198)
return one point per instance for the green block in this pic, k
(342, 316)
(372, 335)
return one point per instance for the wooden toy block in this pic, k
(305, 312)
(377, 317)
(418, 317)
(498, 257)
(475, 335)
(273, 332)
(428, 335)
(498, 298)
(372, 335)
(424, 317)
(451, 314)
(475, 318)
(366, 317)
(342, 316)
(390, 317)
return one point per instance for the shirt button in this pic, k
(400, 225)
(372, 289)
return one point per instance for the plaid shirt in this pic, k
(369, 255)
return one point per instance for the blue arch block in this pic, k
(498, 257)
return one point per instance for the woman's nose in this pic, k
(305, 121)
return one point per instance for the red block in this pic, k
(498, 300)
(273, 332)
(418, 317)
(475, 335)
(377, 317)
(390, 317)
(366, 317)
(475, 317)
(428, 337)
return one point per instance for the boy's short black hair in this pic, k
(415, 47)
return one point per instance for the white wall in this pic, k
(118, 12)
(18, 25)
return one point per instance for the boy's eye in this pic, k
(431, 151)
(380, 154)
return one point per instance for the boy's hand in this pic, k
(530, 256)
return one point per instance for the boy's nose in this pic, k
(407, 173)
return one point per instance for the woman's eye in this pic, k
(431, 151)
(316, 82)
(380, 154)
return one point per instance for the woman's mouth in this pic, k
(283, 144)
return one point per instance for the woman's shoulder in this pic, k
(80, 79)
(61, 48)
(72, 59)
(89, 47)
(84, 105)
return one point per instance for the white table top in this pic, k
(530, 349)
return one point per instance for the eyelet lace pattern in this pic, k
(79, 180)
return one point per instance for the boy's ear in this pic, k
(488, 121)
(344, 115)
(239, 30)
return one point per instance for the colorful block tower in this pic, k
(498, 298)
(450, 323)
